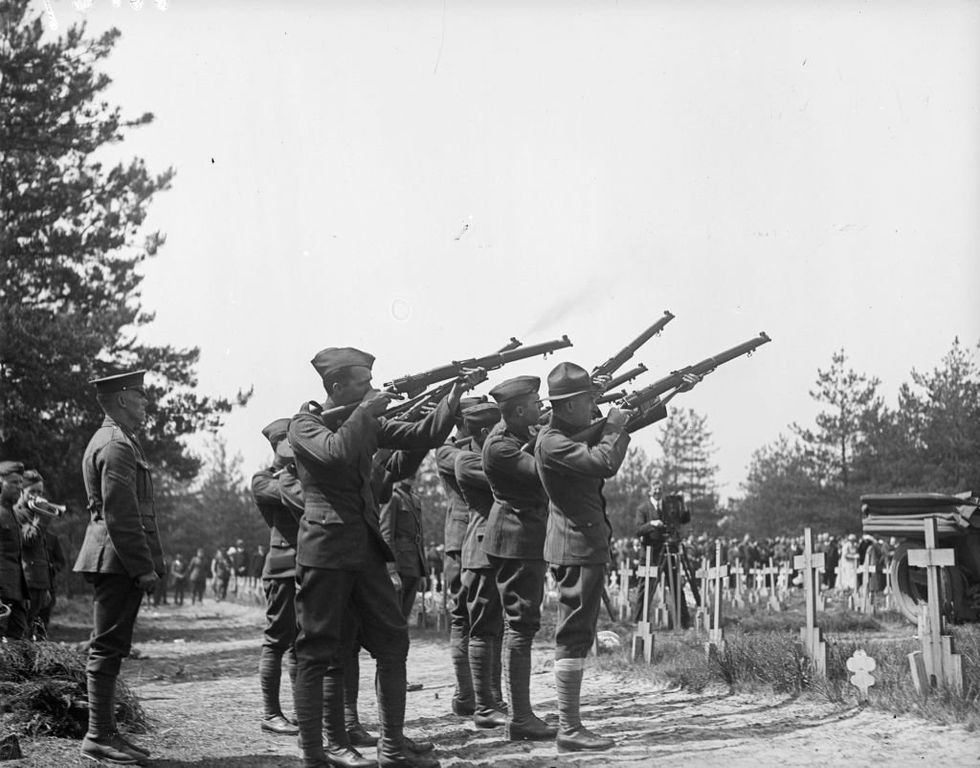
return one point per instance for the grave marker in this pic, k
(862, 666)
(717, 575)
(738, 600)
(867, 601)
(772, 571)
(808, 564)
(643, 636)
(937, 659)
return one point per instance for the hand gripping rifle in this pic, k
(413, 385)
(416, 407)
(648, 401)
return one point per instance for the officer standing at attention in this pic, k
(578, 533)
(401, 528)
(457, 518)
(13, 587)
(514, 542)
(121, 555)
(341, 559)
(279, 582)
(482, 597)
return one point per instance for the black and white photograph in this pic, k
(489, 384)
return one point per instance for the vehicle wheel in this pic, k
(910, 584)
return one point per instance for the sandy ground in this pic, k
(197, 677)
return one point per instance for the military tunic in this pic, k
(482, 598)
(401, 527)
(121, 541)
(578, 530)
(515, 530)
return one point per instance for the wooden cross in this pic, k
(808, 564)
(700, 618)
(624, 590)
(937, 659)
(772, 571)
(737, 600)
(717, 575)
(867, 568)
(643, 636)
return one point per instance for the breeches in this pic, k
(114, 607)
(579, 600)
(330, 607)
(483, 603)
(280, 614)
(520, 584)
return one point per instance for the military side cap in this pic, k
(469, 402)
(276, 431)
(11, 468)
(482, 415)
(567, 380)
(119, 382)
(333, 359)
(519, 386)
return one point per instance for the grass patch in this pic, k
(43, 691)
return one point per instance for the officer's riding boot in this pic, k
(524, 725)
(141, 753)
(101, 743)
(496, 679)
(270, 677)
(393, 751)
(338, 748)
(572, 735)
(463, 703)
(357, 734)
(481, 667)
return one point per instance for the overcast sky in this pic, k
(425, 180)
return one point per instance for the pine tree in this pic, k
(71, 238)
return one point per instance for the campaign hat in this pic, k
(519, 386)
(334, 359)
(119, 382)
(11, 468)
(567, 380)
(482, 415)
(275, 431)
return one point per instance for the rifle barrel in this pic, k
(616, 362)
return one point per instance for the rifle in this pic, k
(414, 385)
(647, 401)
(616, 362)
(415, 407)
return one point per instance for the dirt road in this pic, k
(197, 678)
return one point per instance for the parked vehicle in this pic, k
(958, 524)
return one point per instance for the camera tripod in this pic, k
(672, 564)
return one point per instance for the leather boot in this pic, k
(126, 744)
(335, 711)
(418, 747)
(348, 757)
(403, 758)
(359, 736)
(463, 703)
(487, 715)
(108, 750)
(572, 736)
(270, 676)
(278, 724)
